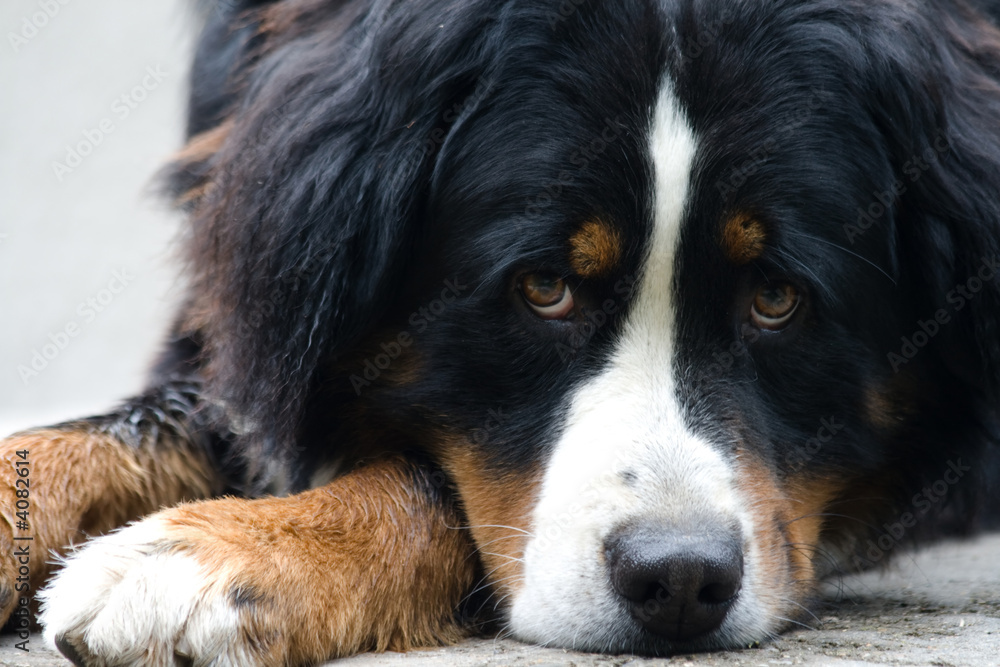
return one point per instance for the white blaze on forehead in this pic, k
(673, 147)
(625, 420)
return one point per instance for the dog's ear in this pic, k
(935, 86)
(302, 228)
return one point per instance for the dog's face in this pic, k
(657, 271)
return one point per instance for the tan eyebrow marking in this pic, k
(743, 238)
(596, 249)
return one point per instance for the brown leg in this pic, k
(372, 561)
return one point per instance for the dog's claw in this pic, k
(69, 651)
(6, 593)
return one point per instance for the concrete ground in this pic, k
(89, 251)
(940, 607)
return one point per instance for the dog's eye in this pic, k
(774, 305)
(547, 295)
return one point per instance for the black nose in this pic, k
(677, 584)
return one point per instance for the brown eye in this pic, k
(547, 295)
(774, 305)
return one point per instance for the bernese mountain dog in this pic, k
(614, 326)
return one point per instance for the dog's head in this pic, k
(686, 298)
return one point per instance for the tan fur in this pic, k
(743, 238)
(84, 483)
(887, 406)
(809, 498)
(596, 249)
(367, 562)
(498, 509)
(787, 522)
(291, 19)
(201, 148)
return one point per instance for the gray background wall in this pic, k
(64, 236)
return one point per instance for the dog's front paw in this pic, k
(365, 563)
(139, 596)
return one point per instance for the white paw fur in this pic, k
(132, 598)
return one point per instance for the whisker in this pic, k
(483, 583)
(815, 550)
(504, 632)
(802, 607)
(788, 620)
(852, 253)
(489, 525)
(501, 600)
(505, 537)
(486, 583)
(513, 559)
(835, 515)
(491, 596)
